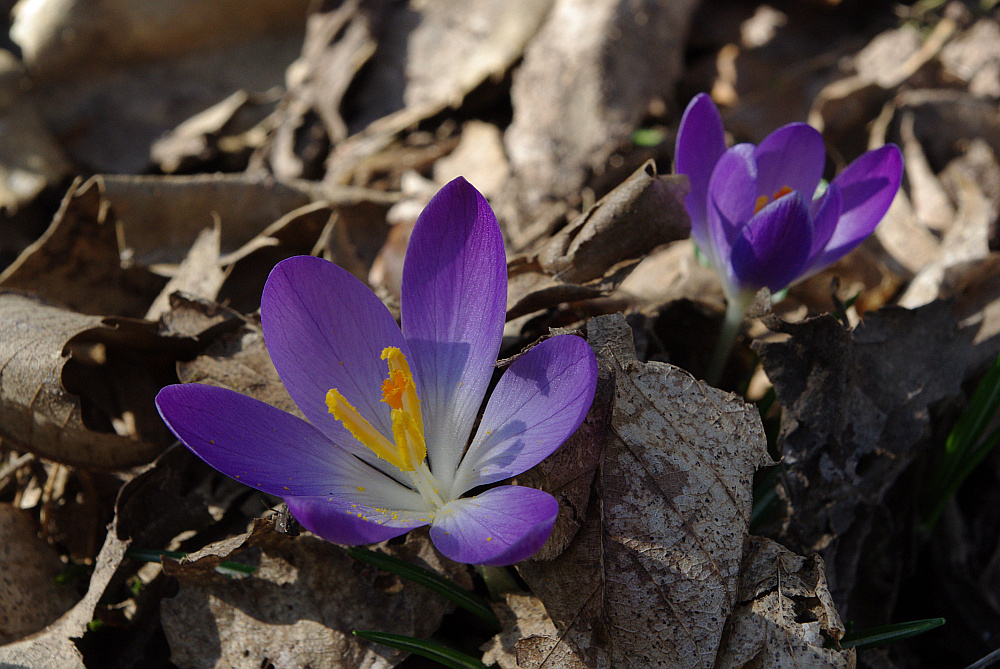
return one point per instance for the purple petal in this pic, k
(867, 186)
(351, 524)
(732, 195)
(774, 245)
(792, 156)
(499, 527)
(271, 450)
(825, 216)
(325, 329)
(454, 296)
(538, 403)
(701, 141)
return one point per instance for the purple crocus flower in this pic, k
(390, 411)
(752, 208)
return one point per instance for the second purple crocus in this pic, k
(754, 210)
(387, 447)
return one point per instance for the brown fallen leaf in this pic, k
(785, 614)
(594, 253)
(55, 646)
(587, 79)
(78, 389)
(652, 574)
(300, 605)
(198, 276)
(77, 261)
(529, 638)
(855, 415)
(30, 597)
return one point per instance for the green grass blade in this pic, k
(226, 568)
(432, 650)
(882, 636)
(472, 603)
(964, 448)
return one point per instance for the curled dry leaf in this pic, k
(30, 597)
(55, 646)
(300, 605)
(785, 614)
(652, 574)
(78, 389)
(529, 639)
(588, 257)
(198, 276)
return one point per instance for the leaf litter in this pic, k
(204, 151)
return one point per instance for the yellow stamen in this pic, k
(764, 200)
(361, 428)
(400, 392)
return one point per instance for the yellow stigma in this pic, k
(764, 200)
(400, 393)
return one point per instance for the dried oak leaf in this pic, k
(652, 575)
(300, 605)
(78, 389)
(529, 639)
(54, 646)
(784, 616)
(30, 597)
(856, 412)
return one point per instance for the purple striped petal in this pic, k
(825, 218)
(454, 296)
(537, 404)
(732, 194)
(701, 141)
(271, 450)
(867, 186)
(774, 245)
(499, 527)
(792, 156)
(325, 329)
(351, 524)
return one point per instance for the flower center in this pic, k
(764, 200)
(409, 451)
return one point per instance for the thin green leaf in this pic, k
(882, 636)
(472, 603)
(432, 650)
(227, 568)
(965, 448)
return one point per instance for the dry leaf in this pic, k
(586, 81)
(300, 605)
(77, 261)
(594, 253)
(198, 276)
(55, 647)
(652, 574)
(855, 416)
(30, 597)
(529, 639)
(785, 614)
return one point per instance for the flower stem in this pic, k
(736, 310)
(498, 581)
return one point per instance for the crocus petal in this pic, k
(825, 216)
(792, 156)
(867, 186)
(537, 404)
(338, 521)
(701, 141)
(732, 194)
(499, 527)
(325, 329)
(774, 245)
(271, 450)
(454, 295)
